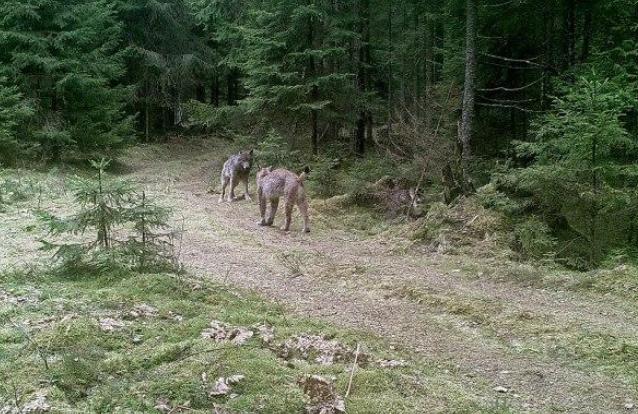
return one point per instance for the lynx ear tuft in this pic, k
(306, 169)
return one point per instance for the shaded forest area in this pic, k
(527, 108)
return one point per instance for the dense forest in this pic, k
(318, 206)
(527, 106)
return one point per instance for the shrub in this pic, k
(534, 238)
(15, 190)
(324, 180)
(464, 223)
(109, 207)
(581, 178)
(14, 110)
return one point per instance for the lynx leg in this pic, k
(303, 209)
(274, 204)
(262, 209)
(225, 181)
(288, 212)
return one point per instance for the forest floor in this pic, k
(517, 336)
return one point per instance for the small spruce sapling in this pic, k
(107, 208)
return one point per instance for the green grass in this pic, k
(536, 333)
(51, 341)
(129, 369)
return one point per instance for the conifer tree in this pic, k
(296, 64)
(14, 112)
(582, 163)
(67, 57)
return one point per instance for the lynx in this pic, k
(275, 184)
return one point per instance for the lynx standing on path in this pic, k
(236, 169)
(274, 184)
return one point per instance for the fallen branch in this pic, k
(354, 366)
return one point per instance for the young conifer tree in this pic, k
(14, 111)
(114, 224)
(584, 161)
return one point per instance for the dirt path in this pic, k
(363, 282)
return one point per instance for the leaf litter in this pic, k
(237, 335)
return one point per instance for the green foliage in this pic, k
(274, 151)
(66, 60)
(324, 179)
(285, 48)
(491, 198)
(166, 59)
(219, 119)
(14, 190)
(583, 174)
(157, 358)
(14, 112)
(108, 208)
(534, 239)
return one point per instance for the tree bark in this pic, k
(390, 67)
(364, 119)
(418, 82)
(467, 116)
(587, 34)
(570, 32)
(200, 92)
(147, 119)
(230, 85)
(315, 132)
(214, 91)
(428, 66)
(360, 135)
(314, 93)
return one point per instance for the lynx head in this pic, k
(264, 171)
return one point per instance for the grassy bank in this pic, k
(132, 342)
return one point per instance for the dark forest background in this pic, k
(526, 107)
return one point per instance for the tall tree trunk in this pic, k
(467, 116)
(230, 86)
(417, 68)
(165, 118)
(548, 53)
(200, 92)
(314, 93)
(428, 66)
(214, 91)
(404, 39)
(147, 120)
(360, 135)
(364, 120)
(177, 109)
(315, 132)
(390, 66)
(587, 33)
(570, 32)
